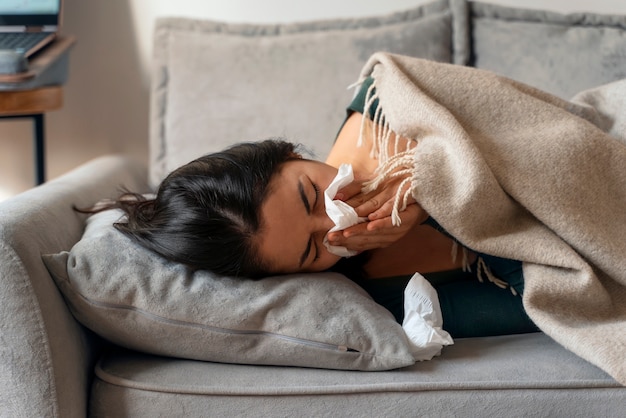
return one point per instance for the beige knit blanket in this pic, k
(515, 172)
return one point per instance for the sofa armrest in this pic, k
(46, 357)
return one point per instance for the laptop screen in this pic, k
(29, 12)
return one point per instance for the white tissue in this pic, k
(422, 319)
(342, 214)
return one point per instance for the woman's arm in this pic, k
(346, 149)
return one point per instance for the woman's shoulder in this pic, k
(347, 151)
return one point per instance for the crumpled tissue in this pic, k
(423, 320)
(342, 214)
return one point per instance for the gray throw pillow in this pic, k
(136, 299)
(558, 53)
(218, 83)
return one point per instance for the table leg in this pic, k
(39, 146)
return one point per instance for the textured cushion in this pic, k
(137, 300)
(216, 84)
(562, 54)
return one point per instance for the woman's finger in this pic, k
(350, 191)
(374, 202)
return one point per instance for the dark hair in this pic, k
(206, 213)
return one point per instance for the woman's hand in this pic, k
(378, 205)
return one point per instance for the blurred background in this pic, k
(106, 99)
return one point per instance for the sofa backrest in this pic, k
(216, 84)
(562, 54)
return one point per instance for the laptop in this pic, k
(27, 26)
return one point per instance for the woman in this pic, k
(257, 209)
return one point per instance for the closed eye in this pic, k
(317, 193)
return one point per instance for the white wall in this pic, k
(106, 98)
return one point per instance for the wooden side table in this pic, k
(33, 104)
(34, 92)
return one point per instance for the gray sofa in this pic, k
(208, 77)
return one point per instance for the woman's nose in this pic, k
(323, 222)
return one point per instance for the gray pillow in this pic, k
(136, 299)
(561, 54)
(216, 83)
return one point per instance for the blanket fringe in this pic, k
(466, 266)
(390, 165)
(483, 272)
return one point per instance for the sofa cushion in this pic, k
(526, 375)
(136, 299)
(217, 83)
(562, 54)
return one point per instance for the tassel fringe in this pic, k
(393, 165)
(483, 272)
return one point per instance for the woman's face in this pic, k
(294, 220)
